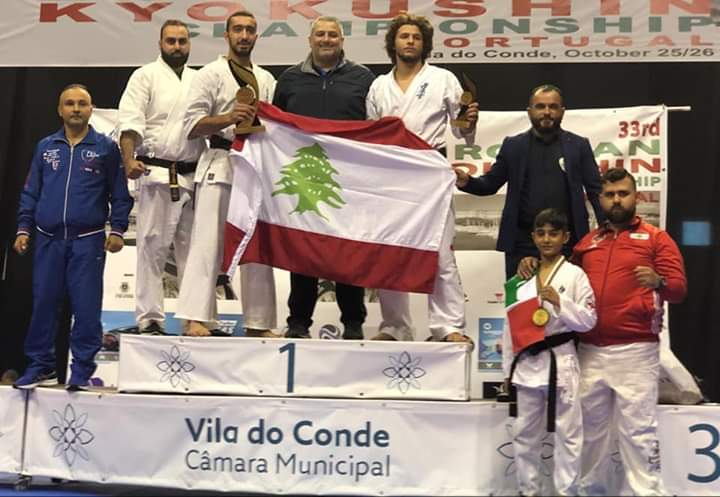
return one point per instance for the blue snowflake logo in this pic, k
(546, 453)
(404, 372)
(70, 435)
(175, 366)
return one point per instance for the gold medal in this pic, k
(540, 317)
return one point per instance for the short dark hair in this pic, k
(615, 174)
(423, 25)
(552, 216)
(546, 88)
(238, 13)
(315, 22)
(75, 85)
(173, 22)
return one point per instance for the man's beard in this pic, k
(409, 59)
(174, 59)
(243, 50)
(537, 126)
(618, 215)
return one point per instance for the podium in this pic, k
(276, 416)
(354, 418)
(295, 368)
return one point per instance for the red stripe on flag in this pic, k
(522, 330)
(368, 265)
(386, 131)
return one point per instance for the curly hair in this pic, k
(423, 25)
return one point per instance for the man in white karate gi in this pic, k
(426, 98)
(213, 113)
(157, 154)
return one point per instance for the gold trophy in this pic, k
(247, 94)
(468, 96)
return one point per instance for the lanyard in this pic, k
(539, 284)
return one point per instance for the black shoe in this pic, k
(297, 332)
(36, 378)
(153, 329)
(74, 387)
(353, 332)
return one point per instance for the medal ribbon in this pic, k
(539, 285)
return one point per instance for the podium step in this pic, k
(269, 445)
(297, 446)
(294, 368)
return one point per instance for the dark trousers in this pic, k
(75, 267)
(303, 296)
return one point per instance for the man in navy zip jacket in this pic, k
(328, 86)
(75, 176)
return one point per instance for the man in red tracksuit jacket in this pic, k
(633, 268)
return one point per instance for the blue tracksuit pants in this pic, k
(75, 266)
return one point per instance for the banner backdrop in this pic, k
(522, 31)
(634, 138)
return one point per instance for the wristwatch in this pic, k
(661, 283)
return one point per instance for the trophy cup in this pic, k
(469, 96)
(246, 94)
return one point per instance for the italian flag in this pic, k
(521, 301)
(359, 202)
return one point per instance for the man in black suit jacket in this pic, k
(543, 167)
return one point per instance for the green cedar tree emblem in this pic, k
(310, 177)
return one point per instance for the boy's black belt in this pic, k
(180, 166)
(220, 142)
(548, 344)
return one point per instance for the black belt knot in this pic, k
(220, 142)
(180, 166)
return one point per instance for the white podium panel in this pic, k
(294, 368)
(315, 446)
(272, 445)
(12, 416)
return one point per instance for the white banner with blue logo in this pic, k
(12, 414)
(295, 368)
(318, 446)
(271, 445)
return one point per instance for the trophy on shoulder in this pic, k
(468, 96)
(246, 94)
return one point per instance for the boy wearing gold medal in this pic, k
(540, 359)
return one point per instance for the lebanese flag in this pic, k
(521, 300)
(358, 202)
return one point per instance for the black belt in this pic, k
(220, 142)
(548, 344)
(182, 167)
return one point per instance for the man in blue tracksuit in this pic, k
(75, 175)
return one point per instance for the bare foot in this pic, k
(382, 336)
(255, 333)
(456, 336)
(196, 329)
